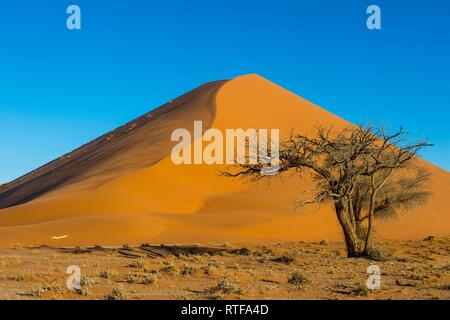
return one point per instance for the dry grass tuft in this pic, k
(224, 286)
(115, 294)
(86, 284)
(150, 279)
(137, 264)
(287, 257)
(298, 279)
(107, 274)
(187, 270)
(360, 290)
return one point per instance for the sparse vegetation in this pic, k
(20, 276)
(115, 294)
(377, 255)
(406, 283)
(193, 276)
(133, 278)
(137, 264)
(107, 274)
(53, 286)
(86, 284)
(187, 270)
(287, 257)
(224, 286)
(209, 269)
(150, 279)
(297, 279)
(169, 269)
(360, 290)
(36, 292)
(264, 251)
(242, 251)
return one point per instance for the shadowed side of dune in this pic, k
(135, 145)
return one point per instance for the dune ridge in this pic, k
(131, 192)
(77, 164)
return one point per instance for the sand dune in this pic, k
(124, 188)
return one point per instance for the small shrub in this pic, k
(137, 264)
(39, 291)
(55, 287)
(115, 294)
(132, 278)
(148, 270)
(297, 279)
(187, 270)
(377, 255)
(150, 279)
(264, 251)
(209, 269)
(20, 277)
(337, 253)
(169, 269)
(267, 250)
(360, 290)
(107, 274)
(413, 276)
(36, 292)
(241, 252)
(224, 286)
(86, 284)
(406, 283)
(287, 257)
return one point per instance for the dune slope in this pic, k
(124, 188)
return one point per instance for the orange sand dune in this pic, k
(124, 188)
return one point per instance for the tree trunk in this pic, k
(351, 213)
(373, 196)
(351, 239)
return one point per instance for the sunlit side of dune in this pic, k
(127, 199)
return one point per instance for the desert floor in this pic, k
(409, 270)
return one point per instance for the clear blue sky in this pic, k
(60, 88)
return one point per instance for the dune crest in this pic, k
(124, 188)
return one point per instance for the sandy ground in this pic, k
(300, 270)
